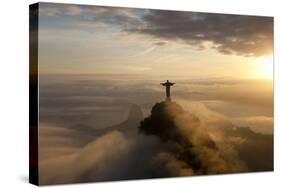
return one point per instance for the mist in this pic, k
(201, 134)
(69, 100)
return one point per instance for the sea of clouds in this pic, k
(237, 115)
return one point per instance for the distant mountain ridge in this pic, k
(135, 116)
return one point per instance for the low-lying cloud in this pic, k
(90, 100)
(74, 125)
(112, 156)
(190, 143)
(163, 147)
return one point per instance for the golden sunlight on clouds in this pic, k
(264, 68)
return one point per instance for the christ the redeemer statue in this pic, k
(168, 84)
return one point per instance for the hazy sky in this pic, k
(95, 62)
(211, 57)
(92, 39)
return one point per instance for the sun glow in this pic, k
(265, 68)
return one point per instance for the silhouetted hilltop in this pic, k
(188, 139)
(184, 145)
(170, 121)
(161, 122)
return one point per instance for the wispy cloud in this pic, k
(144, 52)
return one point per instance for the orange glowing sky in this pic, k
(90, 39)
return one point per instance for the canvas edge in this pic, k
(33, 94)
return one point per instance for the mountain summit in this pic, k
(189, 141)
(135, 116)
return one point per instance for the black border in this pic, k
(33, 93)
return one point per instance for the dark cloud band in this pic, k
(229, 34)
